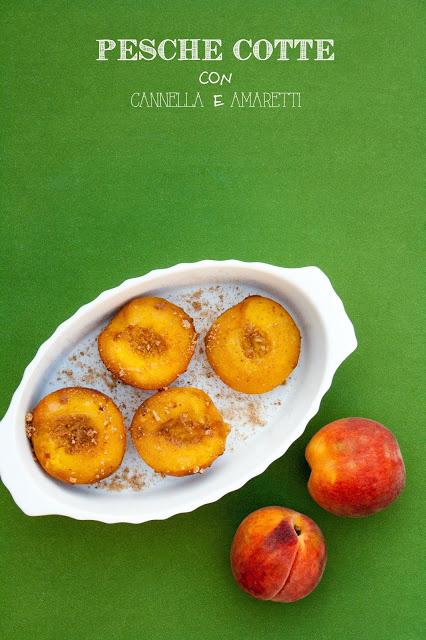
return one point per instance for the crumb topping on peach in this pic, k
(75, 433)
(179, 431)
(148, 343)
(78, 435)
(254, 346)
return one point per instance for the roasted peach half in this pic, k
(148, 343)
(78, 435)
(179, 431)
(254, 346)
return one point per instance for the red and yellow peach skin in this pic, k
(278, 554)
(356, 467)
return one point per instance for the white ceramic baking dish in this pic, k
(263, 427)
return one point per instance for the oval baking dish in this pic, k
(263, 427)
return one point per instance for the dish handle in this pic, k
(338, 328)
(16, 477)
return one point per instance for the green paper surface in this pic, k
(94, 192)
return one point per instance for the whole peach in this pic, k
(356, 467)
(278, 554)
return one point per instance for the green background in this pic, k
(94, 192)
